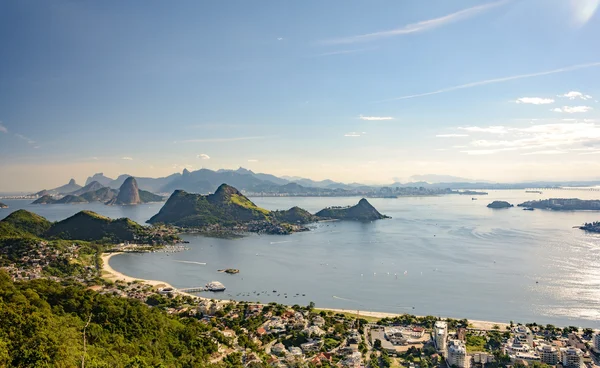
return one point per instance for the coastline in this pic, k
(109, 273)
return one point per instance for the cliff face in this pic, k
(129, 193)
(363, 211)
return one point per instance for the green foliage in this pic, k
(363, 211)
(476, 343)
(42, 325)
(294, 215)
(27, 222)
(87, 225)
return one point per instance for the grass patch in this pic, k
(476, 344)
(246, 203)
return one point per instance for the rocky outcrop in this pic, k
(363, 211)
(2, 205)
(499, 204)
(128, 193)
(100, 178)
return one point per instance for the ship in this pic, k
(528, 209)
(215, 286)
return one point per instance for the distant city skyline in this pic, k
(504, 91)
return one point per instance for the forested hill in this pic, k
(43, 323)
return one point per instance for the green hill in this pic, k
(71, 199)
(363, 211)
(146, 197)
(25, 222)
(90, 226)
(45, 199)
(227, 207)
(294, 215)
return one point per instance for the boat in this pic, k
(215, 286)
(528, 209)
(473, 199)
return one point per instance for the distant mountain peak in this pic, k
(186, 172)
(129, 192)
(226, 190)
(72, 182)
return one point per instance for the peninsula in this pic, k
(229, 210)
(564, 204)
(592, 227)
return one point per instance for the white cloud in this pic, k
(460, 146)
(451, 135)
(3, 128)
(279, 38)
(252, 160)
(353, 134)
(493, 129)
(496, 80)
(417, 27)
(204, 156)
(572, 95)
(218, 140)
(488, 151)
(375, 118)
(572, 109)
(127, 158)
(342, 52)
(546, 152)
(24, 138)
(535, 100)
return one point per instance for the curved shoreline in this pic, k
(114, 275)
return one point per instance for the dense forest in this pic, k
(46, 324)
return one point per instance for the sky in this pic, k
(353, 91)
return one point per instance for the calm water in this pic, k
(447, 256)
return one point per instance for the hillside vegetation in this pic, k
(43, 323)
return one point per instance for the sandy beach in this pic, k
(111, 274)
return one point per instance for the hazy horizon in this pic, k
(503, 91)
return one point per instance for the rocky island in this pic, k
(231, 271)
(564, 204)
(2, 205)
(592, 227)
(499, 204)
(228, 210)
(128, 194)
(363, 211)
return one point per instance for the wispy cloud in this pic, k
(452, 135)
(252, 160)
(497, 80)
(488, 151)
(416, 27)
(343, 52)
(218, 140)
(375, 118)
(204, 156)
(494, 129)
(572, 109)
(535, 100)
(354, 134)
(26, 139)
(546, 152)
(575, 95)
(3, 128)
(127, 158)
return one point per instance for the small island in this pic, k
(592, 227)
(472, 192)
(499, 204)
(363, 211)
(2, 205)
(231, 271)
(564, 204)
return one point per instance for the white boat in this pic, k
(215, 286)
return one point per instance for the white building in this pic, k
(457, 354)
(440, 336)
(549, 354)
(596, 342)
(572, 357)
(524, 334)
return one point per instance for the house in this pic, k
(318, 321)
(314, 331)
(314, 345)
(279, 349)
(261, 331)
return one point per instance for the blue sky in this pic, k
(348, 90)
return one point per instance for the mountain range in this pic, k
(127, 194)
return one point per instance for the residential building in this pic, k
(395, 336)
(572, 357)
(523, 334)
(596, 342)
(440, 336)
(549, 354)
(482, 358)
(457, 354)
